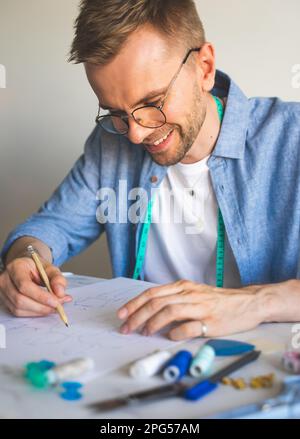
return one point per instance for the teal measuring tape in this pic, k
(220, 256)
(143, 243)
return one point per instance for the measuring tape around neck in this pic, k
(220, 256)
(143, 242)
(220, 252)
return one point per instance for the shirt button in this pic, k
(153, 179)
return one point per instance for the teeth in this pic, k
(158, 142)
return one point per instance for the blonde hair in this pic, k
(103, 26)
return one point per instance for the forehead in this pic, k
(144, 64)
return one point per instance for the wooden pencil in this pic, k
(45, 279)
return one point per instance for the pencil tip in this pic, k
(67, 325)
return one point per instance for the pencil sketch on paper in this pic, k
(93, 330)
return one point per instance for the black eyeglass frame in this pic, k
(125, 118)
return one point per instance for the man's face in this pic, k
(145, 64)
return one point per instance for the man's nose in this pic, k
(136, 133)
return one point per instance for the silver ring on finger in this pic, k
(204, 329)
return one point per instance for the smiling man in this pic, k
(218, 175)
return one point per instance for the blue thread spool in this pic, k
(178, 366)
(71, 392)
(202, 361)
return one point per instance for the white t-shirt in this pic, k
(183, 234)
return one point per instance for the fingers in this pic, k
(23, 306)
(57, 281)
(194, 328)
(160, 311)
(7, 303)
(173, 313)
(25, 287)
(174, 288)
(225, 311)
(186, 330)
(23, 296)
(21, 278)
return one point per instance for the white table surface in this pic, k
(19, 400)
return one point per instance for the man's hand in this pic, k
(223, 311)
(21, 292)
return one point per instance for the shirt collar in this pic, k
(232, 138)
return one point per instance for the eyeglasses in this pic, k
(148, 116)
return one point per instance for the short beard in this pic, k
(194, 123)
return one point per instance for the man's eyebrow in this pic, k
(144, 100)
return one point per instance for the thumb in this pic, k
(58, 289)
(57, 281)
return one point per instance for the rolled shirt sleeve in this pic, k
(67, 222)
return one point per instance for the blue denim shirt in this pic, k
(255, 171)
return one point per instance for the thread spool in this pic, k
(202, 362)
(41, 377)
(291, 362)
(71, 391)
(35, 373)
(178, 366)
(69, 370)
(149, 365)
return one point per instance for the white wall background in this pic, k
(47, 108)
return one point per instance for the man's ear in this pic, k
(206, 64)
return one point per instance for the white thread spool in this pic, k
(69, 370)
(149, 365)
(203, 361)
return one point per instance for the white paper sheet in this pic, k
(77, 281)
(93, 330)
